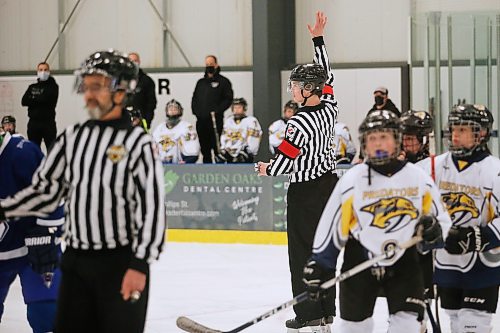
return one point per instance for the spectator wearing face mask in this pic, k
(41, 100)
(383, 102)
(212, 96)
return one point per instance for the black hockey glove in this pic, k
(43, 249)
(313, 277)
(432, 234)
(244, 157)
(463, 240)
(220, 158)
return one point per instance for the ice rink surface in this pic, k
(219, 285)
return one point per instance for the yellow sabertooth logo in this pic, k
(460, 202)
(385, 209)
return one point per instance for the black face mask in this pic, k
(379, 100)
(210, 69)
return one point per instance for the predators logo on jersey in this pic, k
(389, 213)
(460, 206)
(166, 143)
(234, 136)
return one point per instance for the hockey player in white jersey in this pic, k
(375, 205)
(277, 128)
(345, 150)
(468, 269)
(240, 139)
(177, 139)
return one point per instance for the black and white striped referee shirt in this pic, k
(307, 151)
(112, 184)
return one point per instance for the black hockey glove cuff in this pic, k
(313, 276)
(432, 234)
(464, 240)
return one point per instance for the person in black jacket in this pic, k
(41, 100)
(383, 102)
(144, 96)
(213, 94)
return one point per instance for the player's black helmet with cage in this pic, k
(478, 118)
(380, 121)
(418, 123)
(173, 112)
(309, 77)
(176, 106)
(291, 105)
(240, 101)
(112, 64)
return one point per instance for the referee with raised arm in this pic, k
(107, 173)
(306, 154)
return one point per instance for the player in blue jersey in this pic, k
(28, 246)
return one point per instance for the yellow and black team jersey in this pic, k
(378, 215)
(471, 193)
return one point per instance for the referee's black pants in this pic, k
(305, 204)
(89, 295)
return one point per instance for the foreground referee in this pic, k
(112, 183)
(306, 155)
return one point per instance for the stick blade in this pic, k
(191, 326)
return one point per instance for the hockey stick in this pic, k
(214, 125)
(436, 328)
(192, 326)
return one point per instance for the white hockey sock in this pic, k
(404, 321)
(474, 321)
(365, 326)
(453, 314)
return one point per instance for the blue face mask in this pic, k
(42, 75)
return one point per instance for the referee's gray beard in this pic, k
(98, 111)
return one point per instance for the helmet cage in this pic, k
(460, 150)
(381, 157)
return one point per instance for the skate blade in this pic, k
(311, 329)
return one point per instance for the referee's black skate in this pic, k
(322, 325)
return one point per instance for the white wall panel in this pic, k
(357, 31)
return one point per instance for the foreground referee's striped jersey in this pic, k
(307, 151)
(112, 183)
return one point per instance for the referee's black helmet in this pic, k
(112, 64)
(310, 77)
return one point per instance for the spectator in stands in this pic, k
(277, 128)
(240, 138)
(9, 125)
(177, 139)
(41, 100)
(144, 96)
(212, 96)
(383, 102)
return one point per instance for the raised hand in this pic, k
(319, 26)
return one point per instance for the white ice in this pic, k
(219, 285)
